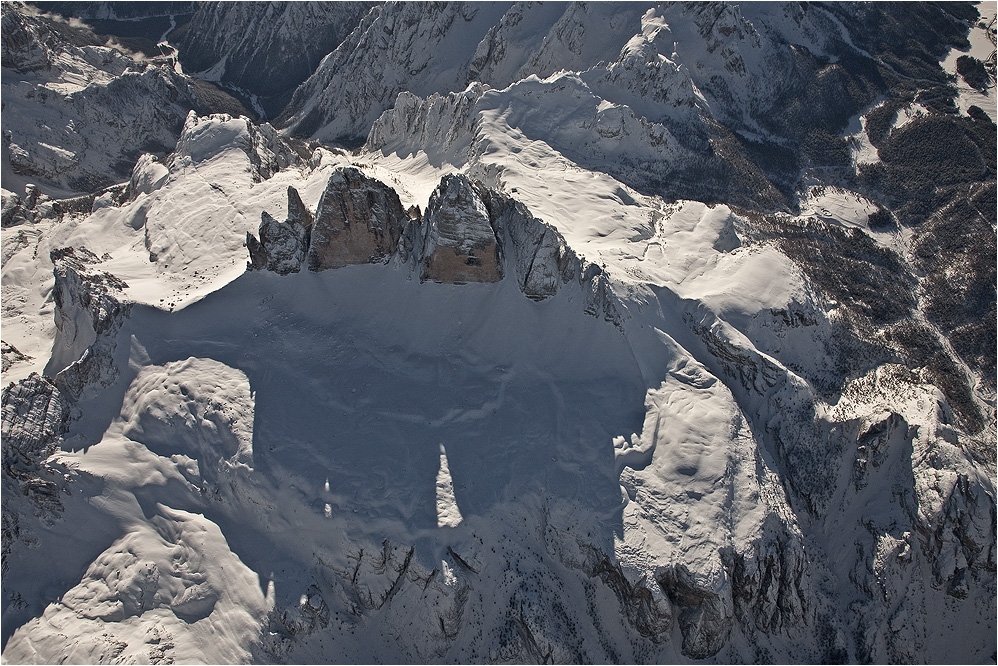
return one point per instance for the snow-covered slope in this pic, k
(423, 49)
(500, 385)
(651, 464)
(660, 95)
(84, 112)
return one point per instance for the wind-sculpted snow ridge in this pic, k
(563, 112)
(203, 137)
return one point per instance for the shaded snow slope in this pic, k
(265, 52)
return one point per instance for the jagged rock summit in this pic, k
(359, 220)
(457, 240)
(468, 233)
(282, 246)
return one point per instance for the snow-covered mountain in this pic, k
(629, 333)
(85, 111)
(265, 52)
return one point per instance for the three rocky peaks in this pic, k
(468, 233)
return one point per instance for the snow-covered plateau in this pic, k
(522, 332)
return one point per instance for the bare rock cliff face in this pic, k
(359, 220)
(282, 247)
(34, 418)
(541, 259)
(90, 308)
(459, 243)
(269, 51)
(469, 233)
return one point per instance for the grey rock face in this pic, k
(473, 234)
(600, 301)
(359, 220)
(642, 610)
(443, 124)
(703, 618)
(282, 247)
(267, 152)
(11, 355)
(297, 212)
(459, 243)
(873, 442)
(267, 48)
(89, 312)
(541, 259)
(402, 32)
(15, 210)
(767, 584)
(286, 245)
(960, 540)
(34, 418)
(77, 285)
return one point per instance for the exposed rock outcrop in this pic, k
(89, 311)
(101, 107)
(17, 210)
(471, 233)
(960, 538)
(767, 582)
(11, 355)
(643, 611)
(282, 246)
(468, 233)
(873, 442)
(540, 257)
(458, 241)
(34, 418)
(359, 220)
(704, 618)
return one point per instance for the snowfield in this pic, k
(285, 424)
(643, 430)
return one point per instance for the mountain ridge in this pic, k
(573, 368)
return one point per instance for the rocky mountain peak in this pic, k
(282, 246)
(359, 220)
(297, 212)
(458, 241)
(90, 308)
